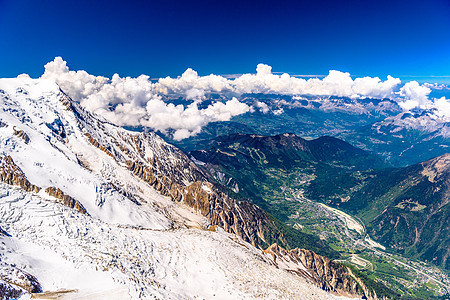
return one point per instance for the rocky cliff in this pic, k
(65, 199)
(13, 175)
(329, 275)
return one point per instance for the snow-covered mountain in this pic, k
(89, 210)
(424, 120)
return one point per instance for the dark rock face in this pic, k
(11, 174)
(8, 291)
(21, 279)
(96, 144)
(3, 232)
(243, 219)
(65, 199)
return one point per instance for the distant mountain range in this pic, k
(380, 126)
(255, 164)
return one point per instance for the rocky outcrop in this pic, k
(11, 174)
(65, 199)
(243, 219)
(18, 278)
(21, 134)
(67, 102)
(437, 168)
(15, 282)
(327, 274)
(8, 291)
(96, 144)
(173, 174)
(3, 232)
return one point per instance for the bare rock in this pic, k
(22, 135)
(327, 274)
(8, 291)
(3, 232)
(65, 199)
(96, 144)
(11, 174)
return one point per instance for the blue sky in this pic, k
(407, 39)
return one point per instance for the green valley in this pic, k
(293, 178)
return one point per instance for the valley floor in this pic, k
(350, 238)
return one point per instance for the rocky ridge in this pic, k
(13, 175)
(65, 199)
(169, 171)
(329, 275)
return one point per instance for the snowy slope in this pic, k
(69, 251)
(133, 242)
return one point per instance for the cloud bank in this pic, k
(264, 81)
(141, 102)
(138, 102)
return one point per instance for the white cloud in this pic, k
(436, 86)
(264, 81)
(195, 94)
(334, 84)
(23, 76)
(138, 101)
(374, 87)
(263, 107)
(190, 81)
(77, 84)
(188, 121)
(443, 107)
(135, 101)
(278, 111)
(414, 95)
